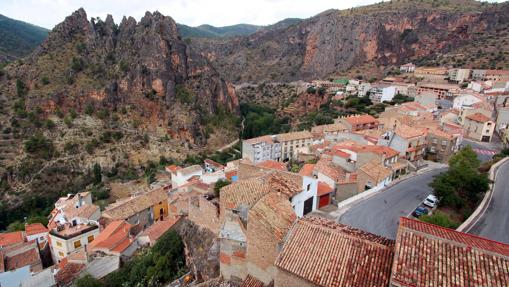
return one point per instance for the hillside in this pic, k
(117, 95)
(18, 39)
(208, 31)
(347, 41)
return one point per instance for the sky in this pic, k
(48, 13)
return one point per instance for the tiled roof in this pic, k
(28, 256)
(307, 169)
(376, 171)
(294, 136)
(408, 132)
(247, 192)
(172, 168)
(338, 127)
(68, 272)
(272, 164)
(113, 238)
(327, 168)
(136, 204)
(35, 228)
(430, 255)
(329, 254)
(266, 139)
(84, 211)
(159, 228)
(478, 117)
(361, 119)
(275, 213)
(9, 238)
(323, 189)
(251, 281)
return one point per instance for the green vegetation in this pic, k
(154, 267)
(260, 120)
(208, 31)
(184, 95)
(462, 185)
(441, 219)
(19, 38)
(400, 99)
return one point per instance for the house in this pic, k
(196, 207)
(459, 75)
(380, 94)
(256, 214)
(426, 99)
(322, 131)
(441, 90)
(430, 73)
(497, 75)
(182, 176)
(465, 100)
(342, 182)
(142, 210)
(478, 75)
(261, 148)
(358, 122)
(36, 231)
(294, 143)
(150, 235)
(116, 239)
(20, 255)
(212, 166)
(324, 193)
(479, 127)
(503, 118)
(272, 164)
(442, 144)
(446, 257)
(407, 68)
(363, 89)
(320, 252)
(410, 142)
(373, 176)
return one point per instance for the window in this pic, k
(77, 244)
(309, 187)
(90, 238)
(59, 243)
(60, 253)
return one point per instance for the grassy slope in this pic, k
(18, 38)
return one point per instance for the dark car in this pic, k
(420, 211)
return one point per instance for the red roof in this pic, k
(157, 229)
(430, 255)
(307, 169)
(24, 258)
(172, 168)
(230, 174)
(35, 228)
(10, 238)
(341, 153)
(114, 238)
(361, 119)
(251, 281)
(323, 189)
(326, 253)
(273, 165)
(478, 117)
(68, 272)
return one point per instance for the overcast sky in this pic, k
(48, 13)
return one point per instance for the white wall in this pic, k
(464, 100)
(298, 200)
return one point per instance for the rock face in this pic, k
(142, 65)
(388, 33)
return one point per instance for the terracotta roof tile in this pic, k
(323, 189)
(329, 254)
(275, 213)
(266, 139)
(35, 228)
(430, 255)
(478, 117)
(27, 257)
(307, 169)
(272, 164)
(294, 136)
(9, 238)
(251, 281)
(114, 235)
(408, 132)
(159, 228)
(68, 272)
(361, 119)
(136, 204)
(376, 171)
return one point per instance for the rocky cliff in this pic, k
(384, 34)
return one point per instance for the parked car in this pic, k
(420, 211)
(431, 201)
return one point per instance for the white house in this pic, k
(180, 176)
(465, 100)
(382, 94)
(305, 201)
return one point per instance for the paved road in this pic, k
(494, 224)
(484, 151)
(380, 213)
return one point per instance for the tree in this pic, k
(89, 109)
(97, 173)
(88, 281)
(16, 226)
(220, 184)
(40, 146)
(21, 88)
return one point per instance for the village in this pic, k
(271, 212)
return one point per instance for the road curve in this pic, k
(380, 213)
(494, 222)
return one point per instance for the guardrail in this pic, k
(479, 211)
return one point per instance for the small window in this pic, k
(90, 238)
(309, 187)
(60, 253)
(77, 244)
(59, 243)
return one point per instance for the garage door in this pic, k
(324, 201)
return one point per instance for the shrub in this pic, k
(44, 80)
(220, 184)
(21, 88)
(40, 146)
(89, 109)
(439, 218)
(184, 95)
